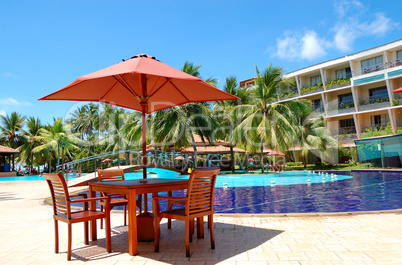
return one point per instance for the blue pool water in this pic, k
(291, 192)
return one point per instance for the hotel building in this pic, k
(354, 92)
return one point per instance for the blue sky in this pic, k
(45, 45)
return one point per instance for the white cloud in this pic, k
(9, 74)
(14, 102)
(312, 47)
(354, 20)
(3, 113)
(293, 46)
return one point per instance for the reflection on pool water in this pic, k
(294, 192)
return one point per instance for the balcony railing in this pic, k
(369, 70)
(379, 129)
(334, 108)
(317, 111)
(374, 102)
(345, 135)
(395, 63)
(337, 83)
(292, 93)
(313, 88)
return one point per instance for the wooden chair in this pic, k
(198, 203)
(115, 199)
(62, 211)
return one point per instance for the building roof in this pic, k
(7, 150)
(218, 149)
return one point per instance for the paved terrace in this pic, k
(27, 237)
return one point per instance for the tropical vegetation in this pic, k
(256, 122)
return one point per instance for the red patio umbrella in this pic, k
(398, 90)
(141, 83)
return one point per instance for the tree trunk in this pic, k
(262, 156)
(305, 161)
(232, 156)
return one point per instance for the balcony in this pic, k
(317, 111)
(393, 64)
(372, 69)
(375, 102)
(314, 88)
(375, 130)
(292, 93)
(345, 135)
(335, 108)
(337, 83)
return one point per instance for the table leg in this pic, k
(132, 223)
(200, 227)
(92, 207)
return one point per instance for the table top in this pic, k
(136, 182)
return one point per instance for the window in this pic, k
(345, 101)
(378, 93)
(399, 55)
(347, 126)
(378, 121)
(314, 80)
(343, 73)
(372, 65)
(317, 105)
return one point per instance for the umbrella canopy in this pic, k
(107, 160)
(275, 153)
(179, 158)
(251, 160)
(140, 83)
(398, 90)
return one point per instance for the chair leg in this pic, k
(101, 220)
(191, 229)
(211, 230)
(188, 236)
(125, 215)
(157, 232)
(56, 236)
(108, 230)
(86, 233)
(69, 242)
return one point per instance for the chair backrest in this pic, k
(110, 175)
(201, 191)
(60, 195)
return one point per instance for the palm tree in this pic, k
(226, 111)
(55, 136)
(30, 136)
(176, 126)
(10, 128)
(266, 121)
(313, 133)
(85, 120)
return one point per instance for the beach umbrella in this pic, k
(107, 160)
(140, 83)
(398, 90)
(179, 158)
(275, 153)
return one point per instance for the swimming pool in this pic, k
(292, 192)
(295, 192)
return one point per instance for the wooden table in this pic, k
(131, 188)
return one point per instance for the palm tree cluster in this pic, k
(257, 121)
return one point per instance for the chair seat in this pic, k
(180, 211)
(79, 216)
(115, 202)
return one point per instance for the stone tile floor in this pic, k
(27, 237)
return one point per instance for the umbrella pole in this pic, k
(144, 154)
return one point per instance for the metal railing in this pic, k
(338, 82)
(368, 70)
(335, 108)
